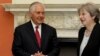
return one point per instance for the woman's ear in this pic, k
(93, 17)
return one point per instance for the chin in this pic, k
(40, 22)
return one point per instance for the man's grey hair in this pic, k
(33, 5)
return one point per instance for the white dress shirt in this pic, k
(39, 29)
(34, 25)
(83, 44)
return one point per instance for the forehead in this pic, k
(83, 11)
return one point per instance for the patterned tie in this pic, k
(38, 36)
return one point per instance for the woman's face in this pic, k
(85, 17)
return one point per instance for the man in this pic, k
(35, 38)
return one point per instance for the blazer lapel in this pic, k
(90, 40)
(81, 37)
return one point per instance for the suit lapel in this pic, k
(43, 37)
(30, 31)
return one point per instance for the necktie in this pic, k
(38, 36)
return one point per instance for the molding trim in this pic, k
(67, 12)
(49, 7)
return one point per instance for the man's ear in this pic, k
(29, 14)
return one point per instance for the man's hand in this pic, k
(39, 54)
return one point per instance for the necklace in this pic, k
(87, 33)
(89, 30)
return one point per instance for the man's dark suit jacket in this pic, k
(25, 44)
(93, 45)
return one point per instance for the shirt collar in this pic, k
(34, 25)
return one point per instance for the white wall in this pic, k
(55, 1)
(64, 19)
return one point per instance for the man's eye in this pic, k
(38, 12)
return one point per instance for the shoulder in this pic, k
(23, 26)
(97, 28)
(48, 26)
(82, 29)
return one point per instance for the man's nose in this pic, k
(41, 14)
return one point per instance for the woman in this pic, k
(89, 35)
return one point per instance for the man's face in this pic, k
(38, 14)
